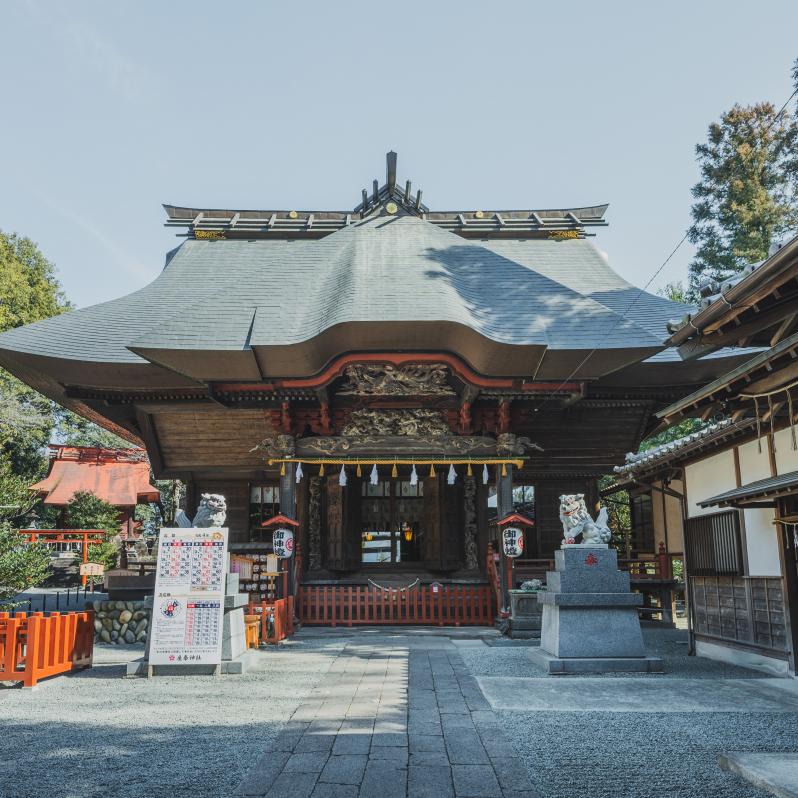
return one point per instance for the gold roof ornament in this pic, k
(391, 207)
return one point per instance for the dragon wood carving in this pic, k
(384, 379)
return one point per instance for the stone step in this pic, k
(774, 773)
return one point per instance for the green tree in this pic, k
(22, 565)
(29, 291)
(746, 196)
(87, 511)
(675, 291)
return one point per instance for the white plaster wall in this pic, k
(754, 465)
(786, 456)
(762, 543)
(708, 478)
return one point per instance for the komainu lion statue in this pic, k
(577, 521)
(212, 512)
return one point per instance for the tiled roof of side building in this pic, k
(650, 459)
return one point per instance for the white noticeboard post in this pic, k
(188, 605)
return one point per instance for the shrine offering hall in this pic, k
(391, 377)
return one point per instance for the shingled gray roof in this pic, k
(234, 294)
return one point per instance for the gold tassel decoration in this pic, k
(504, 469)
(469, 470)
(282, 469)
(432, 469)
(359, 470)
(321, 470)
(394, 471)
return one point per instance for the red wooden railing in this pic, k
(276, 618)
(36, 646)
(441, 605)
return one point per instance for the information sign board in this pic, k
(189, 597)
(91, 569)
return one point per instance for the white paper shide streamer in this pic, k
(299, 473)
(374, 477)
(413, 476)
(451, 477)
(342, 476)
(485, 476)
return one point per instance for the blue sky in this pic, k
(113, 108)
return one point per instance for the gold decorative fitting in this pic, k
(478, 214)
(209, 235)
(391, 208)
(292, 214)
(563, 235)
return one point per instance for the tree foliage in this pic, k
(87, 511)
(746, 197)
(22, 565)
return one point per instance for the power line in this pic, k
(653, 277)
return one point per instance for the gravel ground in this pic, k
(639, 754)
(607, 755)
(509, 658)
(95, 733)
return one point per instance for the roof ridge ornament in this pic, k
(389, 193)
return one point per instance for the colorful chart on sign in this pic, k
(189, 597)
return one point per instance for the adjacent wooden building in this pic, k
(731, 488)
(391, 376)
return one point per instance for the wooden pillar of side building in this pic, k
(788, 559)
(504, 506)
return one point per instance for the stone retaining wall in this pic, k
(121, 621)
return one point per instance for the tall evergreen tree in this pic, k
(747, 197)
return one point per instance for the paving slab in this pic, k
(774, 773)
(596, 694)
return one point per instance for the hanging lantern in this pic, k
(299, 473)
(408, 533)
(283, 542)
(369, 537)
(513, 541)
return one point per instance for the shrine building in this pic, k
(392, 377)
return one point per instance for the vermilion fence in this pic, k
(276, 618)
(35, 646)
(349, 605)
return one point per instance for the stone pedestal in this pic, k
(526, 615)
(590, 621)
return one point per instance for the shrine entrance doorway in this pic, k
(392, 522)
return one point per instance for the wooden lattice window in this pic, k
(713, 545)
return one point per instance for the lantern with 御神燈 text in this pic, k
(283, 542)
(513, 541)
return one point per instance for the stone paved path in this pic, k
(392, 718)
